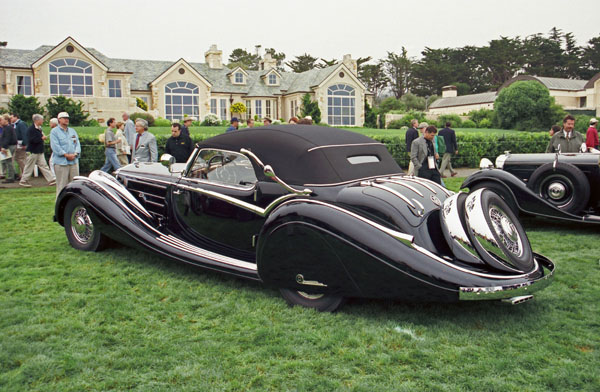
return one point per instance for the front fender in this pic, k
(526, 200)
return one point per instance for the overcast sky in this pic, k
(170, 29)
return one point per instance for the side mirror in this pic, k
(167, 160)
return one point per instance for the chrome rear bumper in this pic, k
(511, 291)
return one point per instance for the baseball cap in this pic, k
(63, 115)
(593, 121)
(234, 119)
(423, 125)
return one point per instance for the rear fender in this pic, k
(527, 200)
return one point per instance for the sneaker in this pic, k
(453, 174)
(444, 176)
(52, 182)
(25, 184)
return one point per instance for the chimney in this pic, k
(449, 92)
(213, 57)
(267, 62)
(351, 64)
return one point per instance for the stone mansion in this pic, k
(108, 87)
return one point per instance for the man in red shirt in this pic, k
(591, 137)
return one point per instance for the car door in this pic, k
(213, 203)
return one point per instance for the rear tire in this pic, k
(80, 229)
(564, 186)
(320, 302)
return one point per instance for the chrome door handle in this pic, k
(177, 192)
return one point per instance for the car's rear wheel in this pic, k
(320, 302)
(80, 229)
(563, 185)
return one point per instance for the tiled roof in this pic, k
(145, 71)
(471, 99)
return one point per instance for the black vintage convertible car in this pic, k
(563, 186)
(319, 213)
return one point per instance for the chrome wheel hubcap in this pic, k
(506, 230)
(556, 191)
(81, 225)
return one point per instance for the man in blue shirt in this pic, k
(235, 123)
(65, 152)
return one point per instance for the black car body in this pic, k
(338, 219)
(564, 186)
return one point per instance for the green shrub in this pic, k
(310, 108)
(485, 123)
(396, 124)
(391, 103)
(526, 106)
(454, 120)
(25, 107)
(77, 116)
(582, 123)
(139, 102)
(146, 116)
(91, 123)
(477, 116)
(468, 124)
(162, 122)
(370, 116)
(413, 102)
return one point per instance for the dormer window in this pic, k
(239, 77)
(272, 79)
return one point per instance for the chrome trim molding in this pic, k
(412, 179)
(510, 291)
(401, 183)
(355, 180)
(417, 211)
(344, 145)
(422, 181)
(468, 271)
(407, 239)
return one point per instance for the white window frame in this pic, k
(115, 89)
(24, 85)
(213, 106)
(258, 108)
(268, 108)
(223, 109)
(235, 77)
(170, 98)
(338, 112)
(273, 81)
(248, 108)
(86, 72)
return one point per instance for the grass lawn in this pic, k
(129, 320)
(218, 130)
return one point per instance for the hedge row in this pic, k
(472, 147)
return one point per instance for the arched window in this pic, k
(71, 78)
(341, 105)
(181, 98)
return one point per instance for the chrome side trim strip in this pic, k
(344, 145)
(198, 251)
(423, 180)
(401, 183)
(456, 267)
(407, 239)
(412, 179)
(239, 203)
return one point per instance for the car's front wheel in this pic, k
(80, 229)
(561, 184)
(320, 302)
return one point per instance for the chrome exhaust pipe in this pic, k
(518, 300)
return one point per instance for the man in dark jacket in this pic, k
(21, 132)
(8, 146)
(411, 134)
(451, 149)
(422, 155)
(35, 148)
(179, 145)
